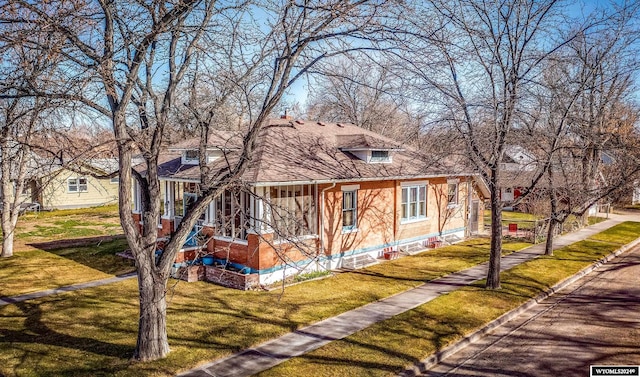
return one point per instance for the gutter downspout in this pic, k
(322, 215)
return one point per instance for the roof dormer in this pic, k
(370, 149)
(192, 156)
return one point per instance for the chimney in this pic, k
(286, 115)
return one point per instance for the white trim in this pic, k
(403, 222)
(231, 240)
(295, 239)
(452, 181)
(414, 183)
(349, 187)
(347, 180)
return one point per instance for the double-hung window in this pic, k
(414, 202)
(77, 185)
(452, 194)
(349, 210)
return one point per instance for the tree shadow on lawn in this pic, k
(40, 342)
(95, 252)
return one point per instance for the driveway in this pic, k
(595, 321)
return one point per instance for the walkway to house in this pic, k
(67, 288)
(276, 351)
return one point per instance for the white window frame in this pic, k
(420, 203)
(191, 160)
(354, 209)
(79, 187)
(377, 159)
(452, 202)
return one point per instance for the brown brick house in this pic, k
(319, 196)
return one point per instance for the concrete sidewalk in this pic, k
(273, 352)
(67, 288)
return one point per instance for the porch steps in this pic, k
(358, 261)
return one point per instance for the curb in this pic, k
(424, 365)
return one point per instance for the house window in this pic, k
(414, 202)
(452, 193)
(292, 210)
(349, 210)
(77, 184)
(114, 180)
(380, 156)
(191, 155)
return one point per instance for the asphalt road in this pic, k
(595, 321)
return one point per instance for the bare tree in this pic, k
(22, 124)
(134, 71)
(588, 119)
(478, 57)
(364, 93)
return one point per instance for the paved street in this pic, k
(595, 321)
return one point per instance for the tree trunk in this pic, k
(5, 190)
(8, 232)
(152, 341)
(493, 275)
(548, 247)
(553, 222)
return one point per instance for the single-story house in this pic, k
(86, 183)
(318, 196)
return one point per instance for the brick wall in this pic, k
(231, 279)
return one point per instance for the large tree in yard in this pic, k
(474, 61)
(136, 57)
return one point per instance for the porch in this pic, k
(241, 226)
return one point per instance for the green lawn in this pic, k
(69, 223)
(524, 220)
(527, 220)
(43, 259)
(93, 331)
(388, 347)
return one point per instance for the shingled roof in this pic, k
(296, 151)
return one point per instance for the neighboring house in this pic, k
(88, 183)
(520, 168)
(518, 165)
(318, 196)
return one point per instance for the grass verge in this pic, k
(386, 348)
(93, 331)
